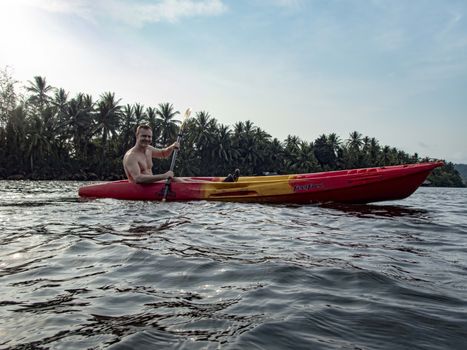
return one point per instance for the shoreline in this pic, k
(74, 177)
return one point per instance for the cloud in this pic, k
(423, 145)
(288, 3)
(392, 39)
(135, 13)
(82, 8)
(453, 22)
(140, 13)
(172, 10)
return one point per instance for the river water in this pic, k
(77, 274)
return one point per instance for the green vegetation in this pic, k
(447, 176)
(46, 134)
(462, 169)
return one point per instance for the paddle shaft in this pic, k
(172, 166)
(174, 155)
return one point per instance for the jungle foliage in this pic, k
(47, 134)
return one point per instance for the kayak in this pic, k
(343, 186)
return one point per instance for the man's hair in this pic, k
(142, 126)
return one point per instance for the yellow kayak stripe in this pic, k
(243, 188)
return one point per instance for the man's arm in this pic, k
(164, 152)
(134, 172)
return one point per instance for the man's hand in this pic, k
(169, 175)
(176, 145)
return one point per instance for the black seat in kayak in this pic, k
(233, 177)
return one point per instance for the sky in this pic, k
(395, 70)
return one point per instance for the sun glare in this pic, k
(15, 24)
(10, 14)
(26, 37)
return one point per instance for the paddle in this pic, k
(174, 155)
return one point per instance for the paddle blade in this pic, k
(186, 116)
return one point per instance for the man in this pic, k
(137, 162)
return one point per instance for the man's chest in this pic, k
(145, 161)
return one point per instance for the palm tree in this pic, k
(249, 128)
(326, 151)
(292, 144)
(188, 162)
(249, 143)
(140, 113)
(15, 140)
(79, 112)
(166, 125)
(203, 125)
(334, 142)
(262, 141)
(58, 134)
(221, 150)
(108, 116)
(238, 131)
(151, 118)
(60, 103)
(306, 161)
(275, 156)
(365, 152)
(128, 127)
(39, 90)
(8, 96)
(37, 141)
(291, 149)
(387, 156)
(60, 99)
(238, 128)
(355, 140)
(354, 155)
(373, 151)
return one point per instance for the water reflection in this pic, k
(377, 210)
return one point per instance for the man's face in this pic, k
(144, 137)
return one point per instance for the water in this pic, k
(78, 274)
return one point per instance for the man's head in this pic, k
(142, 127)
(143, 135)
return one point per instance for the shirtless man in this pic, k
(137, 162)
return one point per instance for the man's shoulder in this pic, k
(130, 154)
(135, 153)
(127, 153)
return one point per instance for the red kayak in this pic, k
(344, 186)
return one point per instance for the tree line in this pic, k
(47, 134)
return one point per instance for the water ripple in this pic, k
(199, 275)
